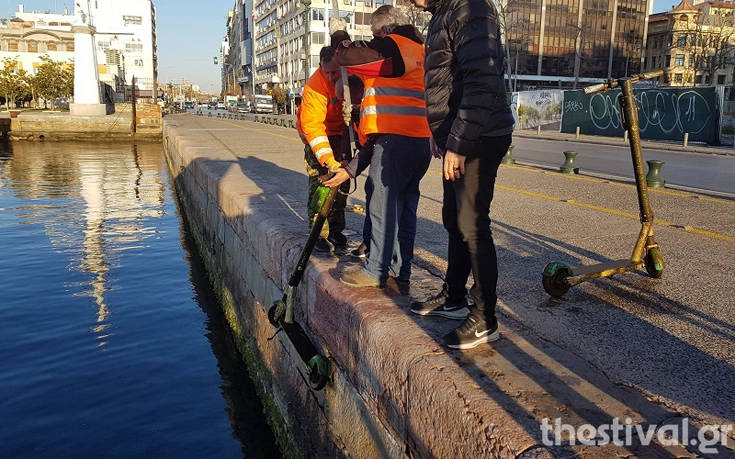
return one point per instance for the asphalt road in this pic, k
(697, 170)
(673, 339)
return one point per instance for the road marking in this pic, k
(688, 229)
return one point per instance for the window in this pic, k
(136, 20)
(13, 46)
(317, 38)
(682, 41)
(720, 79)
(51, 46)
(678, 78)
(679, 60)
(317, 15)
(32, 47)
(698, 79)
(667, 60)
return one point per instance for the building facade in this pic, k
(693, 44)
(237, 50)
(559, 43)
(280, 32)
(25, 42)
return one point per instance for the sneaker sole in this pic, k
(489, 338)
(459, 314)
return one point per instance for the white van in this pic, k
(263, 104)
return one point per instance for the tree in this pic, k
(279, 95)
(13, 81)
(53, 79)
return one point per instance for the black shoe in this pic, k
(322, 246)
(362, 251)
(473, 332)
(338, 239)
(440, 305)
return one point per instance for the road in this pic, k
(696, 170)
(707, 172)
(673, 339)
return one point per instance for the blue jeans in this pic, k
(396, 168)
(367, 226)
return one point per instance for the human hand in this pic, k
(453, 166)
(436, 152)
(340, 176)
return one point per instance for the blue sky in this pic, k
(189, 34)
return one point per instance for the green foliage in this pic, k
(13, 82)
(552, 111)
(527, 113)
(729, 129)
(53, 79)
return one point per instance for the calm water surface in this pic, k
(111, 343)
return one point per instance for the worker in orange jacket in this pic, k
(321, 126)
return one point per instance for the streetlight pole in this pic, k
(307, 41)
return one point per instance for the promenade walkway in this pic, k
(629, 346)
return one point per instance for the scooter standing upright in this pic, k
(559, 277)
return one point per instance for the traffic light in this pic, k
(215, 60)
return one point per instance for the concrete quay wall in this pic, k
(393, 392)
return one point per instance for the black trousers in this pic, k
(466, 217)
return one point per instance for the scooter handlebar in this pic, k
(596, 88)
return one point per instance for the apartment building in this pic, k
(237, 50)
(693, 44)
(281, 27)
(27, 37)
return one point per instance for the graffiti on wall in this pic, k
(663, 114)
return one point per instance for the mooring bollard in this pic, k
(653, 178)
(577, 131)
(508, 158)
(569, 167)
(686, 139)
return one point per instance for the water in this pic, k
(111, 343)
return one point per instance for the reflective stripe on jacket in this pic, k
(397, 105)
(319, 116)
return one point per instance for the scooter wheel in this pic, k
(553, 279)
(276, 312)
(654, 262)
(318, 372)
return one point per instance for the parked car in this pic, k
(221, 105)
(189, 105)
(263, 104)
(243, 107)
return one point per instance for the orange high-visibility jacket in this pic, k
(397, 105)
(319, 116)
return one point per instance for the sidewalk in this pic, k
(647, 144)
(629, 346)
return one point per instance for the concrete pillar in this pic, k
(87, 99)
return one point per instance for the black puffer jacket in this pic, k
(465, 91)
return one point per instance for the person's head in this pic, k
(356, 88)
(329, 64)
(385, 19)
(420, 3)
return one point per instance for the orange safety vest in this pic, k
(319, 116)
(397, 105)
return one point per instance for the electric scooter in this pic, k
(559, 277)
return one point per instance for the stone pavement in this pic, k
(628, 346)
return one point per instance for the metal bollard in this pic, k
(577, 131)
(569, 166)
(538, 130)
(508, 158)
(653, 178)
(625, 136)
(686, 139)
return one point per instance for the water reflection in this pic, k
(102, 339)
(109, 193)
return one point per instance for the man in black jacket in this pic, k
(471, 124)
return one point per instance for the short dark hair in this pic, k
(326, 54)
(355, 83)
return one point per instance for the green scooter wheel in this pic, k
(654, 262)
(554, 277)
(318, 372)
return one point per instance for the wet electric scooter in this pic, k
(281, 313)
(559, 277)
